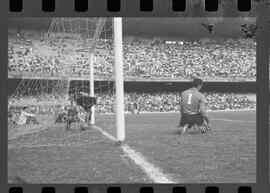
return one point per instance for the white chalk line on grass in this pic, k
(153, 172)
(105, 133)
(232, 120)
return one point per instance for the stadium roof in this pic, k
(165, 27)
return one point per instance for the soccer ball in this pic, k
(84, 126)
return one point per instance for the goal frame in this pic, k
(119, 78)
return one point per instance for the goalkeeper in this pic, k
(192, 108)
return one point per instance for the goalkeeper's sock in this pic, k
(185, 128)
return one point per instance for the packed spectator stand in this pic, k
(212, 59)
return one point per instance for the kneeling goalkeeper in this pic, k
(192, 108)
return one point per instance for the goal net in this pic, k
(71, 62)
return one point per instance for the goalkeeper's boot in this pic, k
(203, 128)
(198, 128)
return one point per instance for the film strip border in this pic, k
(190, 8)
(143, 189)
(115, 5)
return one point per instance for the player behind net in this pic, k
(192, 109)
(85, 102)
(87, 108)
(26, 117)
(72, 114)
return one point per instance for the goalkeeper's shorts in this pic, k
(191, 120)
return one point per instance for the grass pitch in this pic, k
(226, 154)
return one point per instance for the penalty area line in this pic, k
(153, 172)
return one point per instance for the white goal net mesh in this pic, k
(60, 69)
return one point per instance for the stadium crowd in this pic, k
(147, 102)
(169, 102)
(143, 58)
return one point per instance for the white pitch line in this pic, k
(231, 120)
(105, 133)
(153, 172)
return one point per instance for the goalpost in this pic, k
(119, 80)
(92, 92)
(75, 46)
(118, 50)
